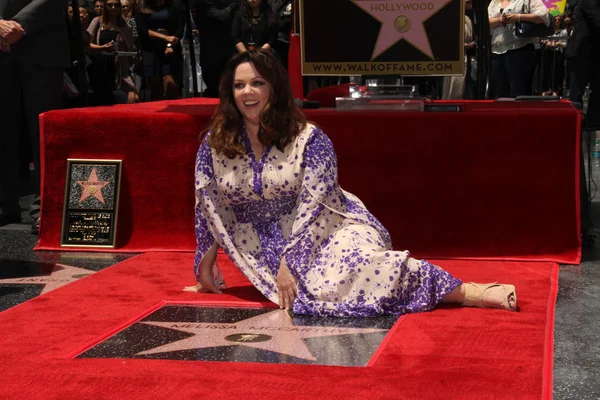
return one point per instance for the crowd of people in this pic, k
(521, 65)
(134, 49)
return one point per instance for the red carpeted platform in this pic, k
(449, 353)
(497, 181)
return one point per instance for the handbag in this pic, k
(531, 29)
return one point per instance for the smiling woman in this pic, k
(254, 77)
(251, 93)
(267, 193)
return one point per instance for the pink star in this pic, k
(92, 187)
(283, 336)
(59, 276)
(401, 20)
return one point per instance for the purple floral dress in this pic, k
(289, 204)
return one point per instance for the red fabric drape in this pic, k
(496, 181)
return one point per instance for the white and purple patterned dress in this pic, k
(289, 204)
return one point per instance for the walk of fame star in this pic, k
(60, 276)
(236, 334)
(92, 187)
(401, 20)
(285, 337)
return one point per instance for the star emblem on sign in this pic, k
(401, 20)
(92, 187)
(273, 331)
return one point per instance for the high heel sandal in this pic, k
(474, 295)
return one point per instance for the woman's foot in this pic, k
(492, 295)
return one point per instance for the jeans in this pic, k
(513, 71)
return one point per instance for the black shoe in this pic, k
(9, 219)
(35, 227)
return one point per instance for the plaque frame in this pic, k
(111, 211)
(412, 68)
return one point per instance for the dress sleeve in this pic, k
(179, 11)
(273, 32)
(93, 29)
(236, 28)
(538, 8)
(492, 10)
(214, 12)
(38, 13)
(204, 175)
(320, 196)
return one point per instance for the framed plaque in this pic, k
(91, 203)
(382, 37)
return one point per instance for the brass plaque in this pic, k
(91, 203)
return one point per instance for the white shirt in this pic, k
(503, 36)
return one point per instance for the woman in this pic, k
(254, 26)
(569, 21)
(127, 11)
(98, 7)
(267, 193)
(554, 61)
(454, 86)
(84, 17)
(513, 56)
(160, 27)
(110, 32)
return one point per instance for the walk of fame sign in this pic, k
(382, 37)
(91, 203)
(235, 334)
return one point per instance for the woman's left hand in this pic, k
(168, 51)
(286, 287)
(510, 18)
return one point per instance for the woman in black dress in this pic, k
(254, 26)
(109, 74)
(160, 25)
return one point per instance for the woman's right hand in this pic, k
(108, 46)
(174, 40)
(206, 280)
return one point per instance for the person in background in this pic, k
(513, 56)
(283, 12)
(454, 87)
(554, 61)
(254, 26)
(583, 51)
(160, 25)
(84, 18)
(34, 52)
(569, 22)
(70, 12)
(213, 19)
(127, 8)
(110, 32)
(98, 7)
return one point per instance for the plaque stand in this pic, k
(381, 94)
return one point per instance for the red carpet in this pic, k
(447, 353)
(498, 181)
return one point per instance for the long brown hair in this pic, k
(280, 121)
